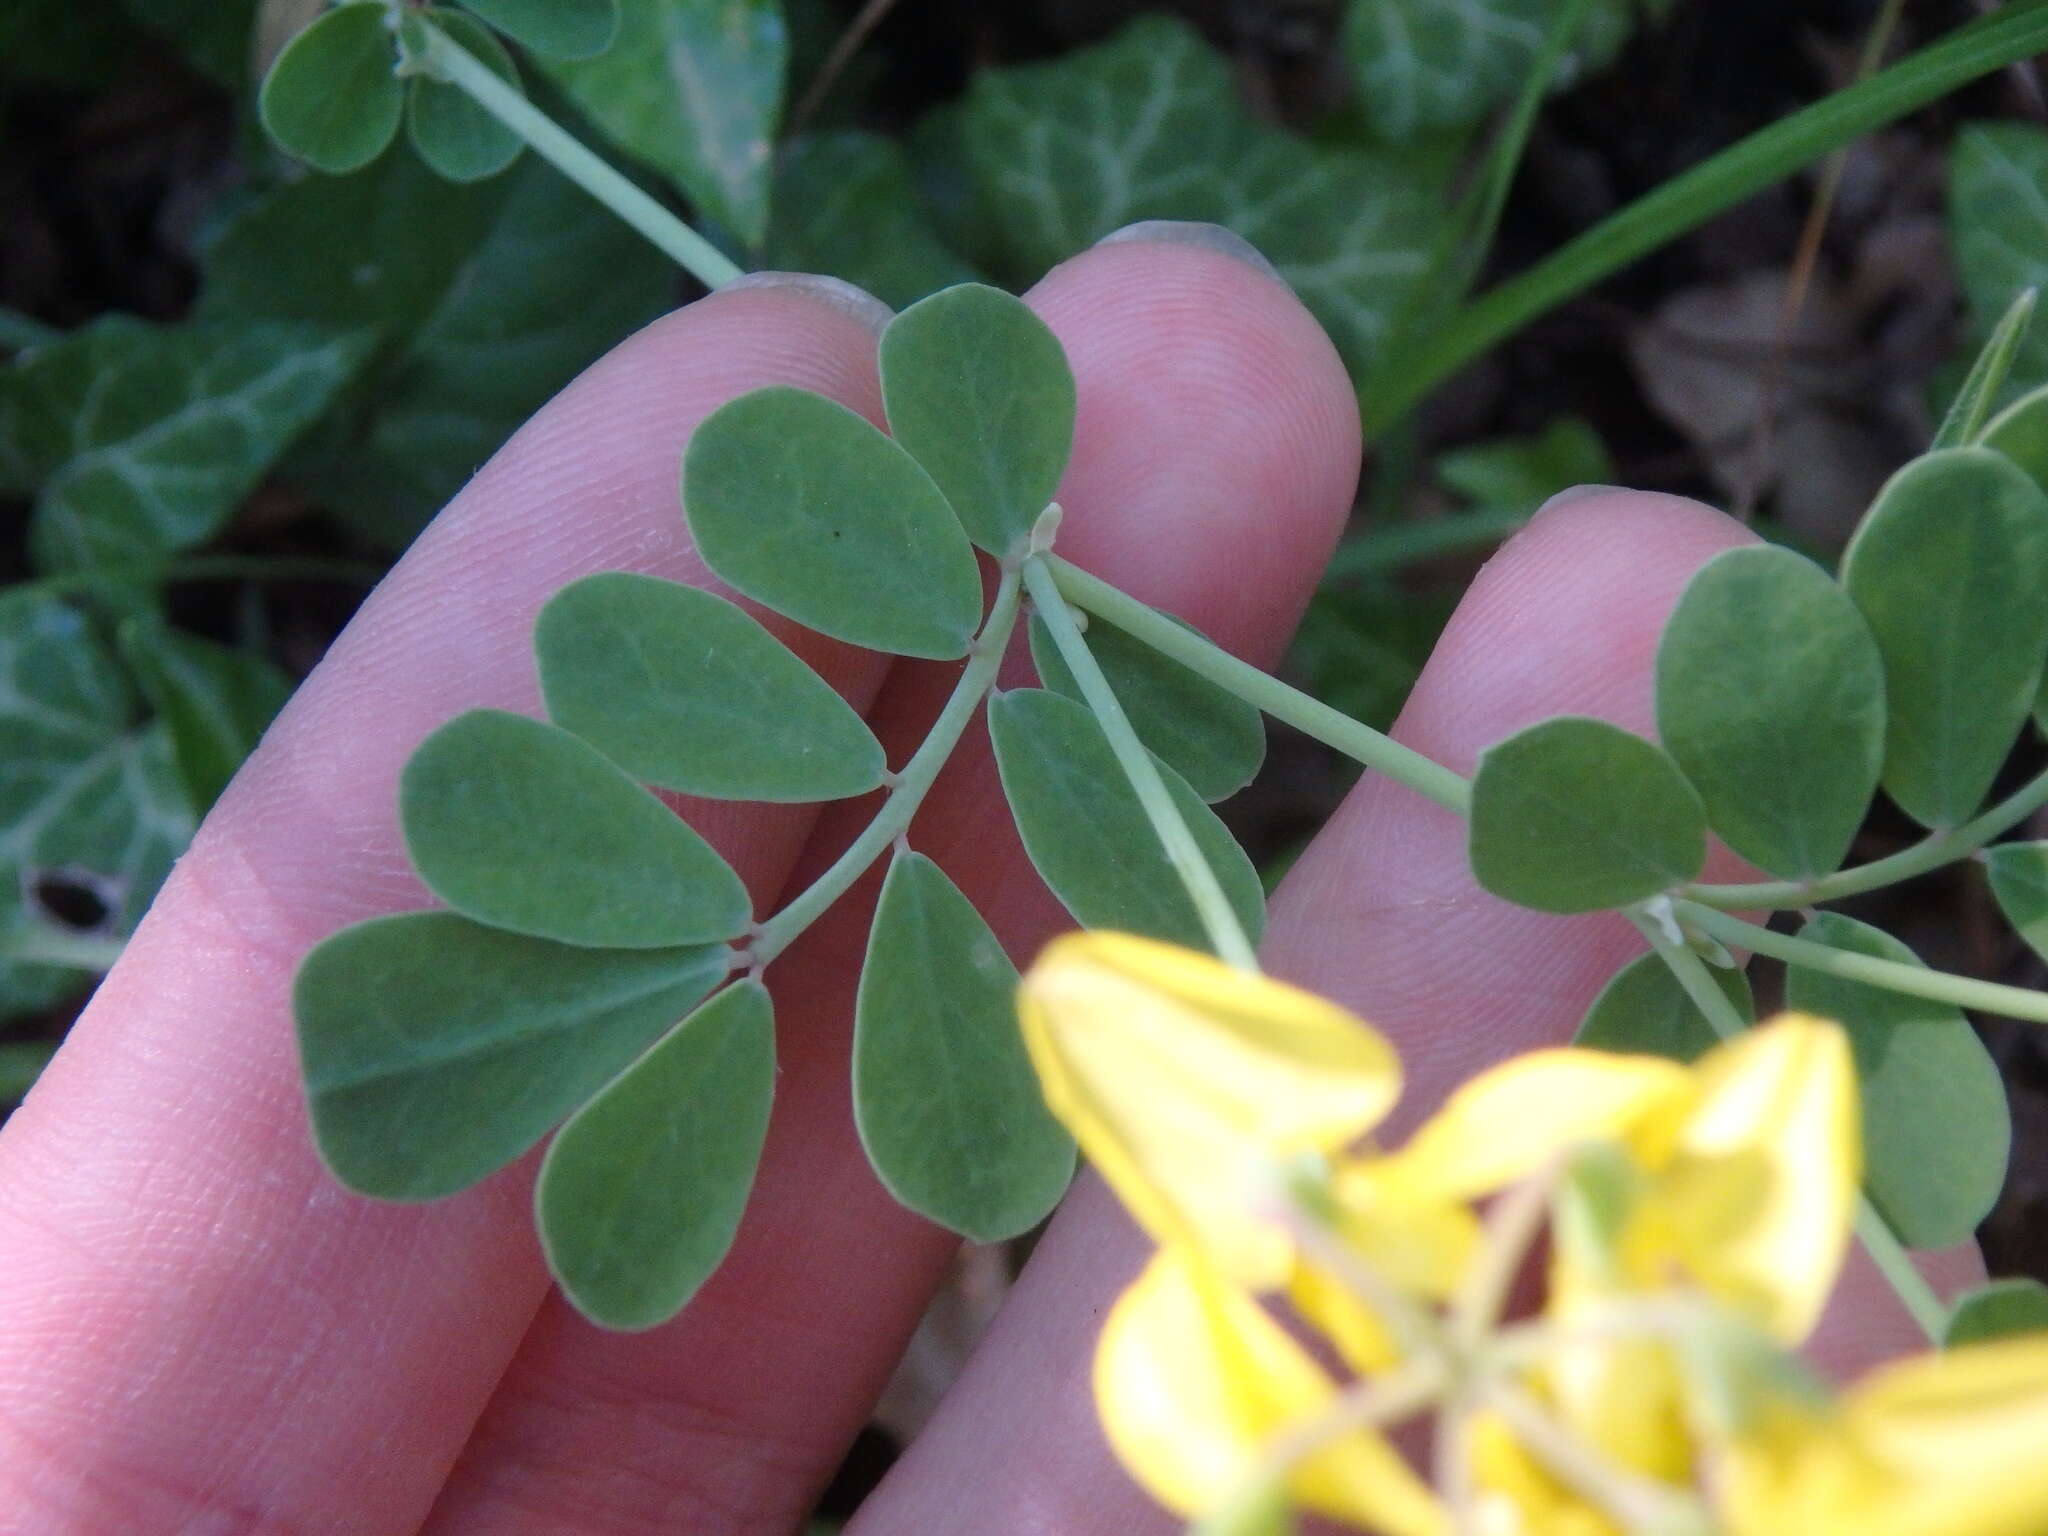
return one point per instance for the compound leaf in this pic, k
(457, 138)
(1576, 815)
(683, 689)
(518, 824)
(555, 29)
(1936, 1127)
(2000, 1310)
(437, 1050)
(804, 506)
(641, 1192)
(215, 702)
(1644, 1011)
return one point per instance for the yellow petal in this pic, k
(1760, 1192)
(1517, 1497)
(1189, 1084)
(1193, 1380)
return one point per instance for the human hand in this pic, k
(200, 1331)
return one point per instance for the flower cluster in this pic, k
(1690, 1222)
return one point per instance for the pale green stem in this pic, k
(450, 61)
(1879, 1240)
(907, 793)
(1219, 919)
(1513, 1224)
(1310, 716)
(1636, 1504)
(1929, 853)
(41, 944)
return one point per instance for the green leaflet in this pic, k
(2020, 432)
(437, 1050)
(333, 97)
(455, 136)
(518, 824)
(947, 1104)
(1950, 569)
(1087, 834)
(641, 1192)
(1576, 815)
(2002, 1309)
(1210, 736)
(214, 702)
(694, 88)
(2019, 881)
(1770, 697)
(685, 690)
(802, 505)
(979, 392)
(1971, 409)
(1936, 1129)
(1525, 472)
(556, 29)
(845, 204)
(1644, 1011)
(1998, 212)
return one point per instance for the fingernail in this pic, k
(832, 292)
(1209, 237)
(1576, 493)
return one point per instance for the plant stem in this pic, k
(689, 250)
(1893, 975)
(1690, 200)
(1929, 853)
(200, 568)
(1226, 934)
(1636, 1503)
(1310, 716)
(908, 792)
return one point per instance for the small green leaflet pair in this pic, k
(585, 918)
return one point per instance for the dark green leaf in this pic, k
(332, 97)
(683, 689)
(1998, 209)
(214, 34)
(1525, 472)
(978, 390)
(1575, 815)
(845, 205)
(1971, 408)
(1950, 568)
(946, 1100)
(2019, 880)
(1644, 1011)
(1770, 696)
(694, 88)
(1213, 738)
(1087, 833)
(455, 136)
(556, 29)
(21, 1063)
(802, 505)
(1936, 1129)
(2002, 1309)
(642, 1191)
(215, 702)
(2020, 432)
(518, 824)
(437, 1050)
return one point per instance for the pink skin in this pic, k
(199, 1331)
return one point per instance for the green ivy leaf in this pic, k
(944, 1095)
(1576, 815)
(215, 702)
(437, 1050)
(1936, 1127)
(685, 690)
(333, 98)
(2003, 1309)
(694, 88)
(1149, 126)
(1086, 831)
(1770, 697)
(2020, 432)
(457, 138)
(518, 824)
(2019, 881)
(642, 1191)
(1644, 1011)
(1950, 568)
(1998, 213)
(1210, 736)
(845, 204)
(555, 29)
(802, 505)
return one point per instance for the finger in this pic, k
(198, 1329)
(1215, 456)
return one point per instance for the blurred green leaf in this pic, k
(685, 690)
(1998, 215)
(214, 702)
(518, 824)
(694, 88)
(978, 390)
(641, 1192)
(214, 34)
(1362, 644)
(2019, 881)
(1086, 831)
(457, 138)
(1950, 568)
(845, 205)
(2002, 1309)
(21, 1063)
(1936, 1128)
(804, 506)
(333, 97)
(1644, 1011)
(1576, 815)
(556, 29)
(1770, 696)
(1525, 472)
(947, 1103)
(2020, 432)
(437, 1050)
